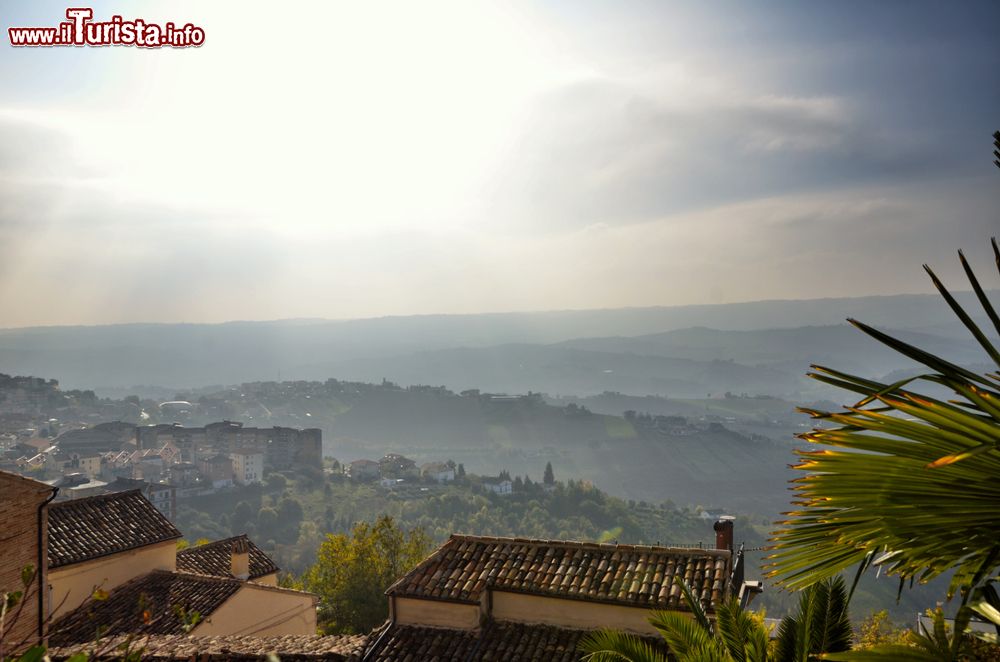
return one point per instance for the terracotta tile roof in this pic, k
(227, 647)
(88, 528)
(215, 558)
(144, 605)
(633, 575)
(497, 641)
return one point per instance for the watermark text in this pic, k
(81, 30)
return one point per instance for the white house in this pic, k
(502, 487)
(439, 471)
(248, 466)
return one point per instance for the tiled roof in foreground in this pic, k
(632, 575)
(495, 642)
(215, 558)
(290, 647)
(145, 605)
(92, 527)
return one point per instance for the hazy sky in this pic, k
(350, 159)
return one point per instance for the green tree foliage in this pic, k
(939, 644)
(877, 630)
(573, 510)
(242, 515)
(352, 572)
(267, 522)
(549, 478)
(276, 482)
(290, 510)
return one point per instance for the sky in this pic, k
(360, 159)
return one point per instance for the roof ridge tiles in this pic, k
(586, 544)
(631, 575)
(212, 544)
(110, 496)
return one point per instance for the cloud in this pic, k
(600, 151)
(579, 160)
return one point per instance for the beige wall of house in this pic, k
(578, 614)
(435, 613)
(91, 465)
(268, 580)
(262, 611)
(71, 585)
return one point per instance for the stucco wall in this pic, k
(71, 585)
(270, 580)
(262, 612)
(411, 611)
(569, 613)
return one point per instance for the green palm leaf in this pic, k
(909, 479)
(694, 604)
(682, 634)
(820, 624)
(611, 646)
(744, 638)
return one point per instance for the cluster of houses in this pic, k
(165, 459)
(106, 570)
(394, 470)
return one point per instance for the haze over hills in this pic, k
(758, 347)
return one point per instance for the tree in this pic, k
(820, 626)
(353, 571)
(267, 522)
(290, 511)
(876, 630)
(460, 472)
(903, 479)
(242, 515)
(276, 482)
(934, 645)
(549, 478)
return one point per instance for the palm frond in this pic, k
(694, 604)
(681, 633)
(820, 623)
(902, 476)
(612, 646)
(960, 312)
(984, 301)
(744, 637)
(986, 603)
(706, 653)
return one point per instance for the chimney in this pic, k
(724, 532)
(240, 560)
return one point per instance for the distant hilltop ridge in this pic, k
(759, 314)
(431, 348)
